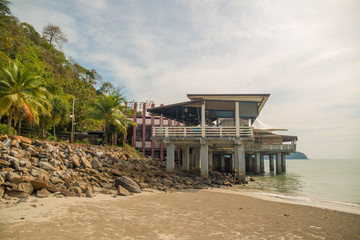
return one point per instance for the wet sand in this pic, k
(205, 214)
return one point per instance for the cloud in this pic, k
(305, 53)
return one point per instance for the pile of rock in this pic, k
(44, 168)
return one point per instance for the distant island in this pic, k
(297, 155)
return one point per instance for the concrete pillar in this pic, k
(271, 162)
(262, 167)
(170, 157)
(203, 119)
(211, 161)
(186, 158)
(232, 162)
(239, 152)
(257, 163)
(222, 163)
(278, 163)
(204, 152)
(283, 158)
(251, 163)
(197, 159)
(237, 119)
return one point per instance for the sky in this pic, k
(305, 53)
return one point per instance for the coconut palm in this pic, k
(21, 93)
(109, 109)
(60, 110)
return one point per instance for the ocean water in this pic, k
(334, 181)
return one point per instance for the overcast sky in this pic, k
(306, 54)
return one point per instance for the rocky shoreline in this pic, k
(42, 168)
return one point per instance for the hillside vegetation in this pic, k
(31, 56)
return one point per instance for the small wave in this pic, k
(308, 200)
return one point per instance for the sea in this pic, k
(331, 183)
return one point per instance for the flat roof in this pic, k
(258, 98)
(217, 104)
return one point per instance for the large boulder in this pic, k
(38, 184)
(128, 184)
(24, 187)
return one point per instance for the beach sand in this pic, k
(205, 214)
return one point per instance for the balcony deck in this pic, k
(179, 132)
(257, 147)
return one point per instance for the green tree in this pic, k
(21, 93)
(60, 110)
(108, 108)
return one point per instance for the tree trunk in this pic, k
(124, 140)
(19, 126)
(105, 132)
(9, 121)
(15, 124)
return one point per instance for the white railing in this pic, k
(261, 147)
(178, 131)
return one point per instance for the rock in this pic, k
(96, 164)
(64, 192)
(128, 184)
(56, 180)
(81, 185)
(47, 166)
(3, 137)
(115, 172)
(52, 188)
(38, 172)
(7, 142)
(144, 185)
(2, 191)
(89, 194)
(43, 193)
(11, 175)
(54, 162)
(38, 184)
(122, 191)
(85, 162)
(24, 140)
(4, 163)
(18, 194)
(75, 191)
(14, 144)
(75, 160)
(24, 187)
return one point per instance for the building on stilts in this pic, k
(215, 132)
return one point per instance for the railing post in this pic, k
(166, 131)
(220, 131)
(184, 131)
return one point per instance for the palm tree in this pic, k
(22, 93)
(59, 111)
(109, 109)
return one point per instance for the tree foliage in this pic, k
(63, 78)
(110, 108)
(22, 94)
(53, 33)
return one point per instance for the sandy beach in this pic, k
(205, 214)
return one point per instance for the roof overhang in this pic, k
(216, 106)
(260, 99)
